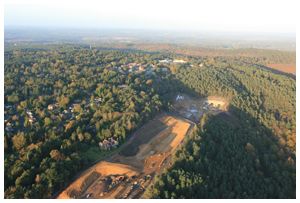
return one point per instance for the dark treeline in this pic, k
(61, 101)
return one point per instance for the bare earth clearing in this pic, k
(193, 108)
(287, 68)
(128, 173)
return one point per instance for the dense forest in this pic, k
(61, 101)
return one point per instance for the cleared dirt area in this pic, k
(127, 174)
(86, 180)
(217, 103)
(193, 108)
(287, 68)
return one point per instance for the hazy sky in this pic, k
(278, 16)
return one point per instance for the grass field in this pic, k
(94, 154)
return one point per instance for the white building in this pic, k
(179, 61)
(165, 61)
(179, 97)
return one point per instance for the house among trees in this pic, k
(8, 127)
(141, 68)
(52, 106)
(165, 61)
(98, 99)
(179, 97)
(132, 67)
(31, 120)
(179, 61)
(31, 117)
(108, 144)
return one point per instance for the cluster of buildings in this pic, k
(108, 144)
(179, 61)
(168, 60)
(147, 69)
(134, 68)
(165, 60)
(66, 114)
(69, 112)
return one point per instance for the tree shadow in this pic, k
(232, 156)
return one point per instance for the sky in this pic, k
(276, 16)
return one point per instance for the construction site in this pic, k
(193, 108)
(129, 172)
